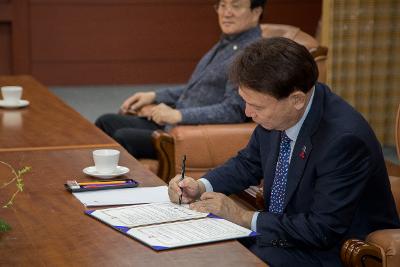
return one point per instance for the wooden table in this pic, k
(50, 229)
(47, 123)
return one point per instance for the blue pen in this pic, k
(182, 176)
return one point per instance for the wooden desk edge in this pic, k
(18, 149)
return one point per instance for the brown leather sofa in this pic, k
(208, 146)
(382, 247)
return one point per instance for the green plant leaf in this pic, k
(4, 227)
(19, 183)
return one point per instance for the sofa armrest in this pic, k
(381, 248)
(164, 145)
(388, 241)
(395, 187)
(320, 55)
(357, 253)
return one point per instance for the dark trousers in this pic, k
(132, 132)
(282, 257)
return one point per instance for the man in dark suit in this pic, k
(324, 174)
(208, 97)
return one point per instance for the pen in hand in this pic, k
(182, 177)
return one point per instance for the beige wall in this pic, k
(364, 58)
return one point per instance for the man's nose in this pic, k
(228, 12)
(249, 111)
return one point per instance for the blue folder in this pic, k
(132, 232)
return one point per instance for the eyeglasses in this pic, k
(234, 8)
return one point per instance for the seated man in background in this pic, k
(324, 174)
(207, 98)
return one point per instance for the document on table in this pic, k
(167, 225)
(137, 195)
(147, 214)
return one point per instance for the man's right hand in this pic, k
(190, 189)
(136, 101)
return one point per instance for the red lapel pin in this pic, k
(303, 152)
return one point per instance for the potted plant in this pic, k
(17, 179)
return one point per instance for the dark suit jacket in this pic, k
(339, 189)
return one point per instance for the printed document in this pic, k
(125, 196)
(146, 214)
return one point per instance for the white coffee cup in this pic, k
(106, 160)
(11, 94)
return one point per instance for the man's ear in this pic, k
(257, 13)
(298, 99)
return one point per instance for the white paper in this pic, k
(146, 214)
(123, 196)
(178, 234)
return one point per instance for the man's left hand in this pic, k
(223, 206)
(163, 114)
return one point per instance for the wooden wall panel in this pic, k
(20, 38)
(5, 37)
(111, 37)
(77, 42)
(5, 48)
(120, 42)
(301, 13)
(123, 33)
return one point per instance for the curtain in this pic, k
(363, 37)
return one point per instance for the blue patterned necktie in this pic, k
(279, 185)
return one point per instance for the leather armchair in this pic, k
(382, 247)
(207, 146)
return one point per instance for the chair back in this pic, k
(394, 180)
(395, 186)
(291, 32)
(397, 132)
(320, 53)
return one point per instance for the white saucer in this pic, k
(92, 172)
(20, 104)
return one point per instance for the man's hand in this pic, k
(163, 114)
(223, 206)
(191, 189)
(145, 112)
(136, 101)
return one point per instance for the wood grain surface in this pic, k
(50, 229)
(46, 122)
